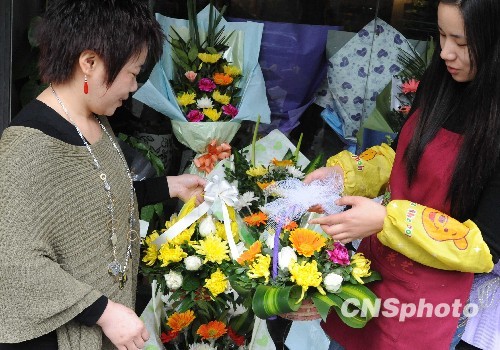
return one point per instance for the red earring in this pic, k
(85, 86)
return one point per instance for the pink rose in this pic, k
(195, 116)
(190, 75)
(230, 110)
(339, 254)
(206, 84)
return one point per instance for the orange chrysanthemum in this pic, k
(264, 185)
(222, 79)
(250, 254)
(282, 163)
(292, 225)
(212, 330)
(166, 337)
(180, 320)
(256, 219)
(306, 242)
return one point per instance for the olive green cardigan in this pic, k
(54, 241)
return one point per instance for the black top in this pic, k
(38, 115)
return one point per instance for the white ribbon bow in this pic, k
(216, 191)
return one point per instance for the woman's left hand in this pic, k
(365, 218)
(186, 186)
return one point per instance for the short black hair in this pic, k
(116, 30)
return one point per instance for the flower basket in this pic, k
(306, 312)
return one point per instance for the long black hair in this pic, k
(116, 30)
(476, 103)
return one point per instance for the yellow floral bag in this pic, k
(435, 239)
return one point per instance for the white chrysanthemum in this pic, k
(207, 226)
(246, 199)
(193, 263)
(285, 257)
(295, 172)
(201, 346)
(204, 102)
(332, 282)
(173, 280)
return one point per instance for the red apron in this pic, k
(405, 280)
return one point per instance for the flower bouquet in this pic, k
(191, 259)
(290, 264)
(207, 81)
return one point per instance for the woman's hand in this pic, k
(122, 326)
(186, 186)
(365, 218)
(320, 174)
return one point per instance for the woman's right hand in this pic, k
(123, 327)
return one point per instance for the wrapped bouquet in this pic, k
(207, 81)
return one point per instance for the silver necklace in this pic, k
(115, 269)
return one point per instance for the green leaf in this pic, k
(270, 301)
(190, 283)
(193, 53)
(211, 50)
(316, 163)
(147, 213)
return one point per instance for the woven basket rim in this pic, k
(306, 312)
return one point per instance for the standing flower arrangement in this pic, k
(290, 262)
(192, 269)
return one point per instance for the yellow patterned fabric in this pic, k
(55, 246)
(367, 174)
(435, 239)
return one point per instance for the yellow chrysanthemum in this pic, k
(186, 98)
(282, 163)
(361, 267)
(209, 57)
(180, 320)
(169, 254)
(220, 230)
(187, 207)
(217, 283)
(306, 242)
(213, 248)
(212, 114)
(232, 70)
(257, 171)
(221, 98)
(151, 251)
(184, 236)
(306, 275)
(260, 267)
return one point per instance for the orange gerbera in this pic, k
(222, 79)
(250, 254)
(264, 185)
(306, 242)
(256, 219)
(282, 163)
(212, 330)
(180, 320)
(292, 225)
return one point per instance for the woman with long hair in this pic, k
(437, 225)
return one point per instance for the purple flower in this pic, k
(230, 110)
(339, 254)
(206, 84)
(195, 116)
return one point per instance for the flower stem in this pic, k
(254, 139)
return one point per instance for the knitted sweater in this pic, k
(54, 241)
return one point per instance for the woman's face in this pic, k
(105, 100)
(454, 49)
